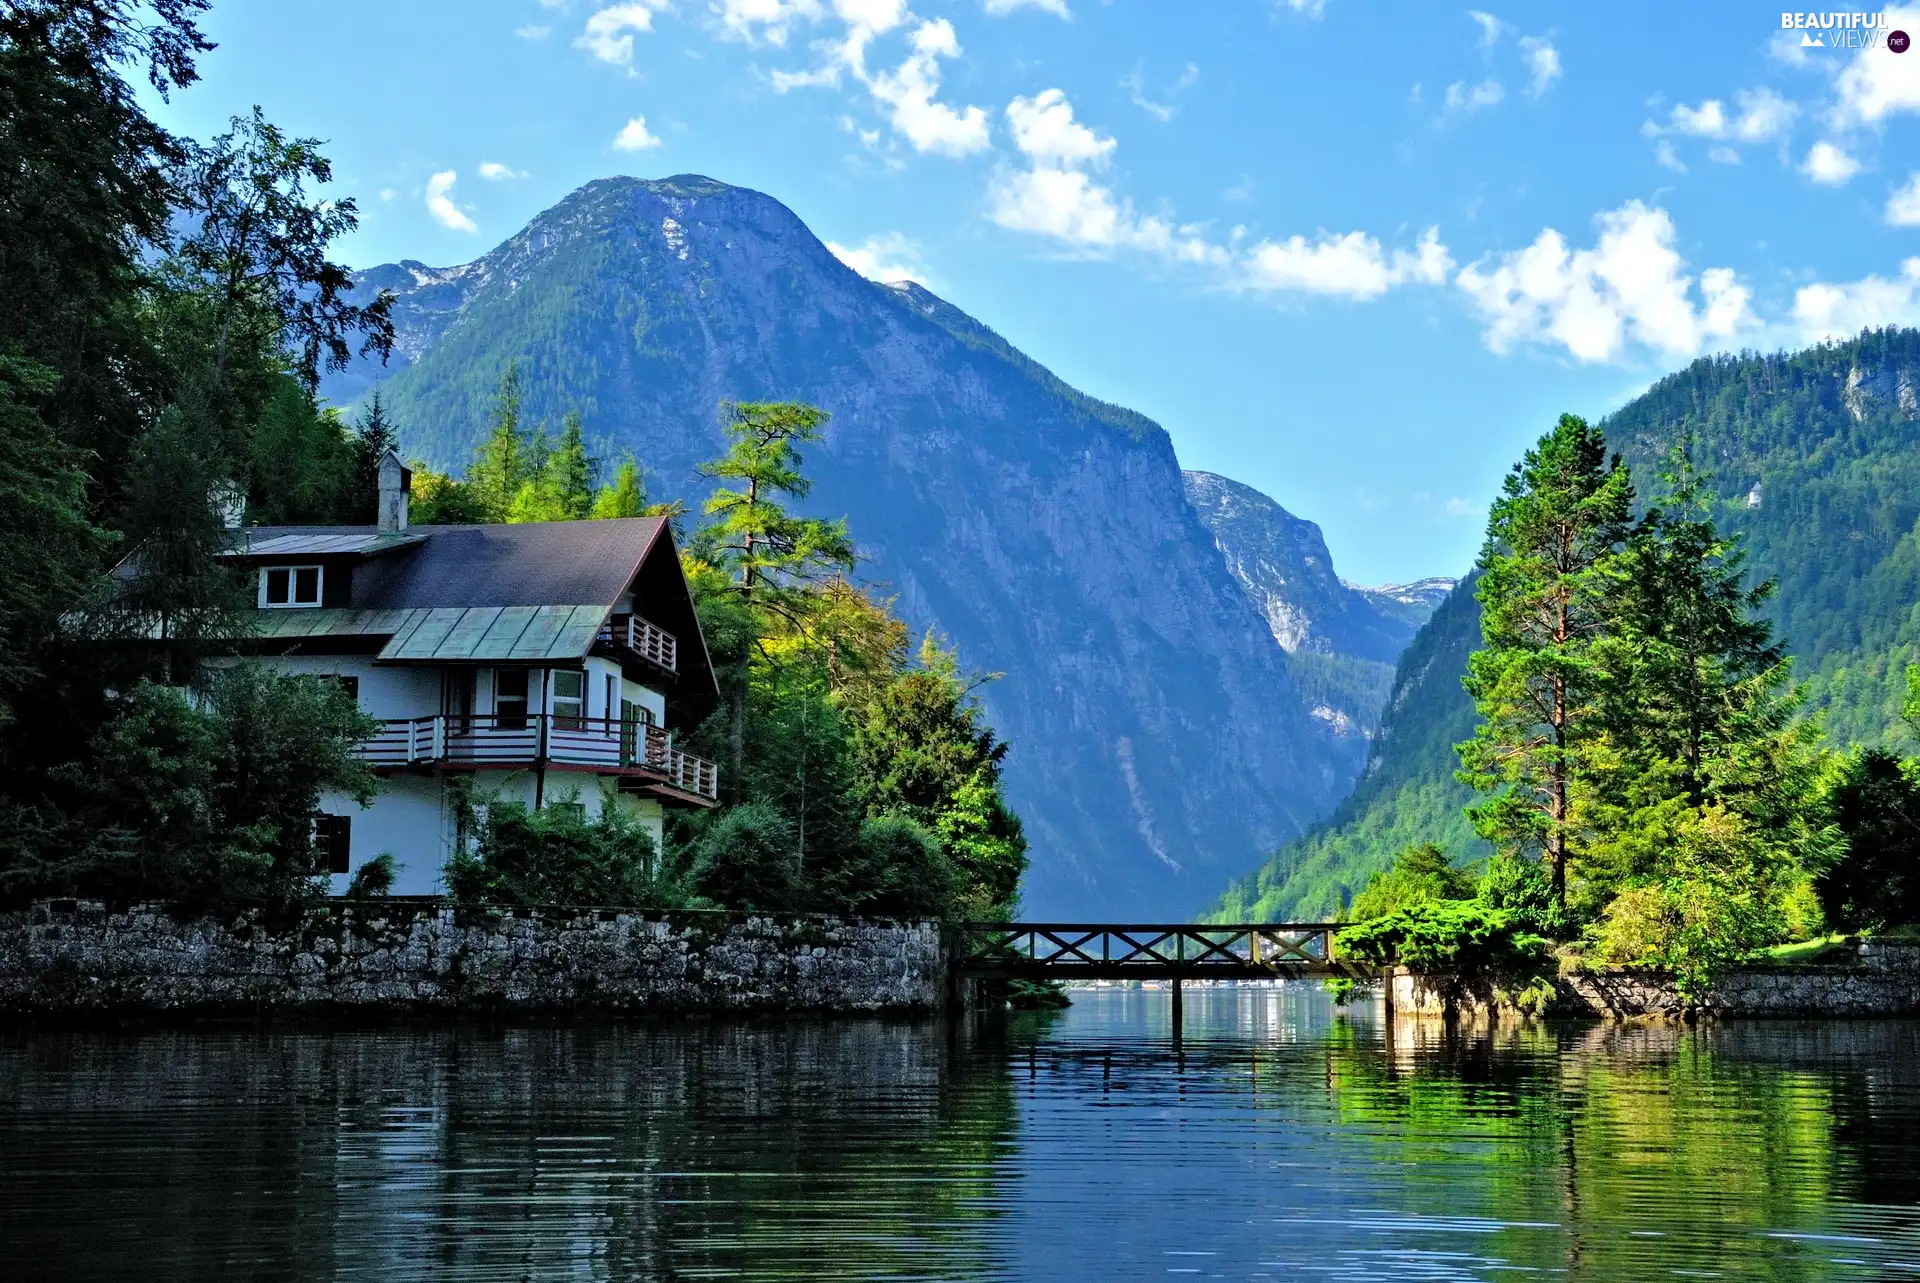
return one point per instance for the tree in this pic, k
(373, 436)
(1875, 883)
(1421, 875)
(623, 496)
(772, 555)
(570, 471)
(499, 464)
(1546, 574)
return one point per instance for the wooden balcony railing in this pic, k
(478, 741)
(647, 640)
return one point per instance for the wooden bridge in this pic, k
(1184, 951)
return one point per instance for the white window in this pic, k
(284, 587)
(569, 698)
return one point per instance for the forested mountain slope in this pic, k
(1813, 458)
(1157, 742)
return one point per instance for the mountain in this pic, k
(1813, 458)
(1158, 743)
(1406, 794)
(1342, 641)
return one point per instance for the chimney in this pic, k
(396, 483)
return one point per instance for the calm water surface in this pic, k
(1276, 1141)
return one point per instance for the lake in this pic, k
(1277, 1139)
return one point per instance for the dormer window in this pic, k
(286, 587)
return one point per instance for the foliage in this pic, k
(624, 496)
(899, 872)
(1421, 875)
(374, 878)
(1875, 881)
(1521, 889)
(1454, 937)
(556, 855)
(747, 859)
(1552, 537)
(205, 800)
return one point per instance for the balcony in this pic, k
(649, 641)
(602, 745)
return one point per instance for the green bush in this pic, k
(1462, 938)
(746, 859)
(374, 878)
(204, 799)
(1421, 875)
(1523, 890)
(899, 872)
(1875, 883)
(557, 855)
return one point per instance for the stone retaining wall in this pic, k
(1883, 980)
(372, 961)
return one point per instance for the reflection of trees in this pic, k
(1651, 1147)
(841, 1149)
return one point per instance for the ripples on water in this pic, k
(1275, 1141)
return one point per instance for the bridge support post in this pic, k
(1176, 1008)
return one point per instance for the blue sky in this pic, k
(1357, 256)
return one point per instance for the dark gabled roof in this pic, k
(526, 592)
(541, 563)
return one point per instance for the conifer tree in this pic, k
(499, 464)
(570, 471)
(772, 554)
(624, 496)
(1553, 538)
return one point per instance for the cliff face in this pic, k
(1158, 740)
(1343, 641)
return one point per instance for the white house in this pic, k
(535, 660)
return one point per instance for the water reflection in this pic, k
(1274, 1140)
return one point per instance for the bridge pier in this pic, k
(1176, 1008)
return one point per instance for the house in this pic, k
(535, 660)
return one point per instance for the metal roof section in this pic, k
(495, 634)
(321, 543)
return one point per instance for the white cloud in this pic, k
(1044, 128)
(608, 33)
(888, 256)
(1462, 99)
(532, 32)
(1543, 63)
(1663, 154)
(1762, 115)
(1631, 287)
(388, 194)
(634, 136)
(494, 172)
(1841, 311)
(1829, 165)
(1057, 198)
(1058, 8)
(1903, 207)
(909, 90)
(440, 203)
(1874, 84)
(1350, 266)
(1461, 508)
(1307, 8)
(1136, 86)
(1490, 27)
(1723, 155)
(769, 20)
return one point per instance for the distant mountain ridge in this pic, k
(1158, 740)
(1813, 458)
(1343, 640)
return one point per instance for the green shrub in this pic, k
(1523, 890)
(557, 855)
(374, 878)
(747, 859)
(1875, 883)
(900, 872)
(1421, 875)
(1462, 938)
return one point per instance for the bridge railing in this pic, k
(1065, 950)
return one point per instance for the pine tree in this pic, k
(1553, 538)
(570, 471)
(772, 554)
(499, 465)
(624, 496)
(374, 435)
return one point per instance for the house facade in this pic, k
(536, 661)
